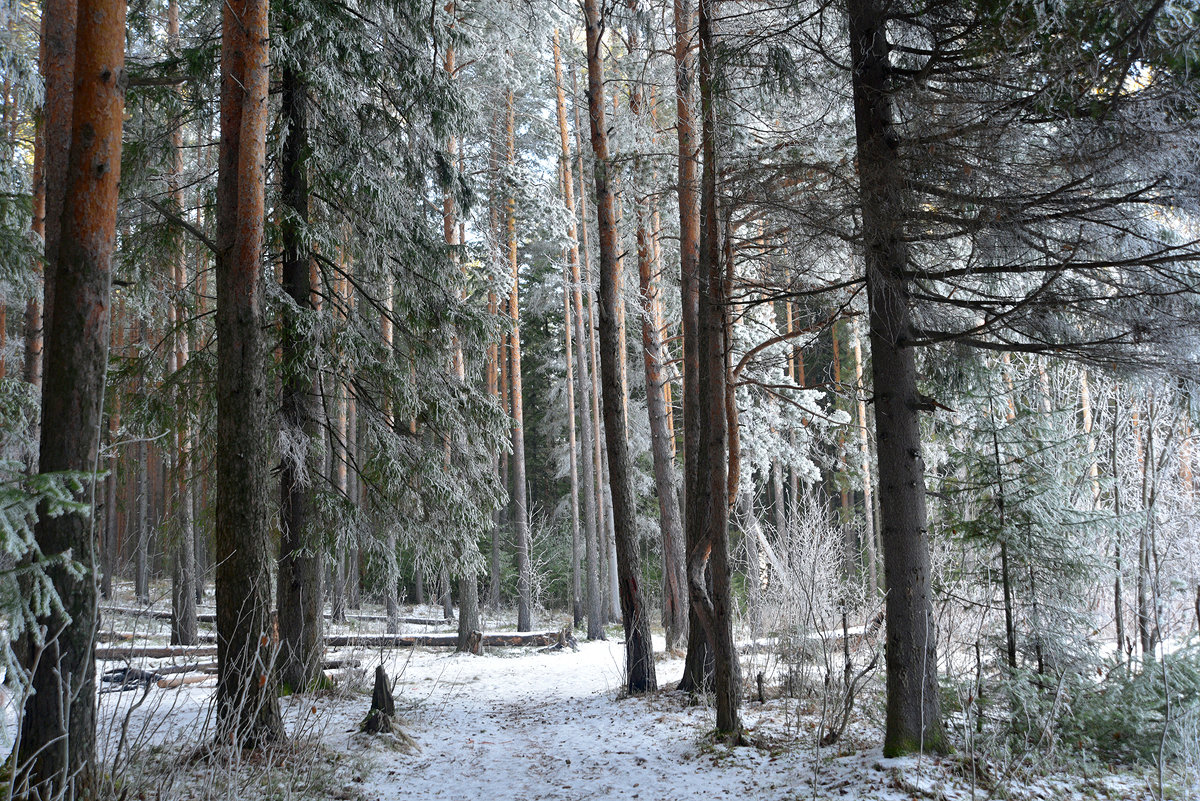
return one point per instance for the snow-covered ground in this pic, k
(523, 724)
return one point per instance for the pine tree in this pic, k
(58, 738)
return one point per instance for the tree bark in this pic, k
(675, 604)
(611, 574)
(520, 500)
(697, 674)
(340, 452)
(639, 655)
(913, 715)
(141, 566)
(468, 612)
(577, 608)
(662, 435)
(708, 546)
(247, 702)
(111, 538)
(58, 736)
(444, 596)
(575, 317)
(299, 595)
(183, 595)
(1118, 568)
(56, 59)
(864, 446)
(589, 322)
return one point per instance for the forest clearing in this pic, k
(597, 399)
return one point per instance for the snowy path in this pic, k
(551, 726)
(519, 725)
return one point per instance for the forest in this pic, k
(596, 399)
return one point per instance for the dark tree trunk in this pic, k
(697, 672)
(1010, 631)
(709, 543)
(468, 612)
(639, 653)
(444, 596)
(913, 715)
(418, 586)
(300, 596)
(58, 729)
(53, 143)
(247, 702)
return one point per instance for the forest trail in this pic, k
(552, 726)
(526, 725)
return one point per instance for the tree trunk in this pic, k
(340, 453)
(697, 674)
(418, 585)
(300, 598)
(1147, 600)
(492, 380)
(575, 318)
(577, 611)
(639, 655)
(674, 569)
(247, 702)
(709, 543)
(752, 531)
(58, 729)
(662, 435)
(913, 714)
(612, 584)
(109, 546)
(354, 488)
(603, 513)
(864, 447)
(1010, 631)
(1118, 574)
(183, 596)
(520, 499)
(141, 566)
(468, 613)
(56, 61)
(444, 596)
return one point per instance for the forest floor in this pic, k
(525, 724)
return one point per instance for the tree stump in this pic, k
(383, 706)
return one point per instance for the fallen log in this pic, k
(172, 682)
(211, 617)
(538, 639)
(155, 614)
(155, 652)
